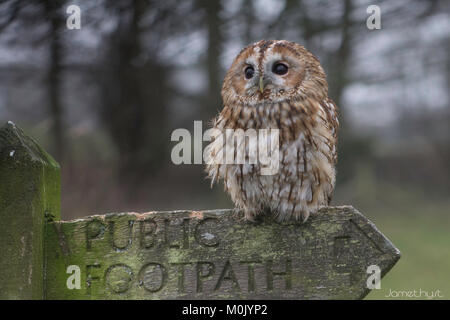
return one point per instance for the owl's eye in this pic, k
(280, 68)
(249, 72)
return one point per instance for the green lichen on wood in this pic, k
(29, 191)
(213, 255)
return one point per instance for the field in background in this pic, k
(422, 235)
(419, 226)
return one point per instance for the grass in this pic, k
(420, 228)
(425, 262)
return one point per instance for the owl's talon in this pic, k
(238, 215)
(250, 215)
(305, 216)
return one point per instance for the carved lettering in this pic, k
(147, 233)
(171, 233)
(181, 266)
(201, 274)
(153, 277)
(287, 274)
(118, 277)
(126, 239)
(94, 230)
(90, 277)
(251, 274)
(227, 274)
(182, 243)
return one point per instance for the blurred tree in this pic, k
(134, 95)
(55, 19)
(32, 14)
(140, 53)
(214, 24)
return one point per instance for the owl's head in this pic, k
(273, 71)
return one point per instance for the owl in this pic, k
(277, 85)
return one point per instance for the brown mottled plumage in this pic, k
(258, 93)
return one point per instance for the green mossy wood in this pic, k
(212, 255)
(29, 194)
(179, 254)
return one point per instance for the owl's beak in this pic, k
(261, 84)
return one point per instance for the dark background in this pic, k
(104, 100)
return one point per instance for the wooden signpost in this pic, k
(171, 255)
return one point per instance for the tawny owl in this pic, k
(278, 85)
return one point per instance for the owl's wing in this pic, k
(332, 113)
